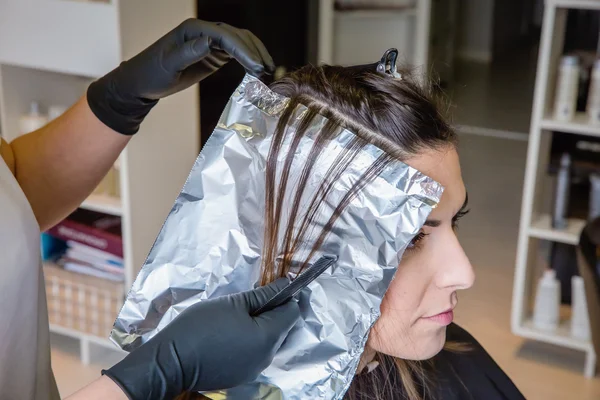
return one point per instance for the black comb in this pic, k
(298, 284)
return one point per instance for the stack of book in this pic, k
(94, 245)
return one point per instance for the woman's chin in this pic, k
(433, 347)
(421, 347)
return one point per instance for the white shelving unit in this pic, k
(541, 228)
(104, 204)
(578, 125)
(350, 37)
(535, 224)
(50, 50)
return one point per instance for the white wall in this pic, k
(475, 30)
(363, 38)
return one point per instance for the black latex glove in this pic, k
(214, 344)
(185, 56)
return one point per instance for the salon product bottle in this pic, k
(117, 178)
(565, 100)
(561, 193)
(32, 121)
(594, 209)
(593, 103)
(580, 323)
(547, 302)
(55, 112)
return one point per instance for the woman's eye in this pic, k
(414, 244)
(457, 217)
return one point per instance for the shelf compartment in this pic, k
(560, 337)
(541, 228)
(104, 204)
(21, 86)
(578, 125)
(75, 334)
(61, 47)
(81, 305)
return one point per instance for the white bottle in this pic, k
(593, 103)
(565, 101)
(580, 323)
(32, 121)
(547, 302)
(55, 112)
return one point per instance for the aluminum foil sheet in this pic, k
(210, 245)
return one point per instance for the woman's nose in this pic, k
(457, 272)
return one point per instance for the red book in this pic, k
(93, 229)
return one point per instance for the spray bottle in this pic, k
(561, 195)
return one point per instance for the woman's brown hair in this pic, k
(398, 116)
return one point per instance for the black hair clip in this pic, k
(387, 65)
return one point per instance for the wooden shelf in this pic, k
(75, 334)
(560, 337)
(541, 228)
(579, 125)
(103, 203)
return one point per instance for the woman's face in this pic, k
(419, 302)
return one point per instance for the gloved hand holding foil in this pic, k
(284, 179)
(188, 354)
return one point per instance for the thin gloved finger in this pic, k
(188, 54)
(254, 299)
(253, 42)
(245, 36)
(224, 38)
(278, 322)
(264, 53)
(231, 43)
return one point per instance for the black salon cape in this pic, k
(481, 377)
(468, 375)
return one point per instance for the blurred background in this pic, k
(522, 82)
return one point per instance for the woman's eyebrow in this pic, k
(434, 223)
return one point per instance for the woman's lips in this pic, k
(444, 318)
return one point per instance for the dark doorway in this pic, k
(288, 30)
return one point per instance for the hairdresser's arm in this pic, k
(59, 165)
(102, 388)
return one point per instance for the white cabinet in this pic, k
(73, 37)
